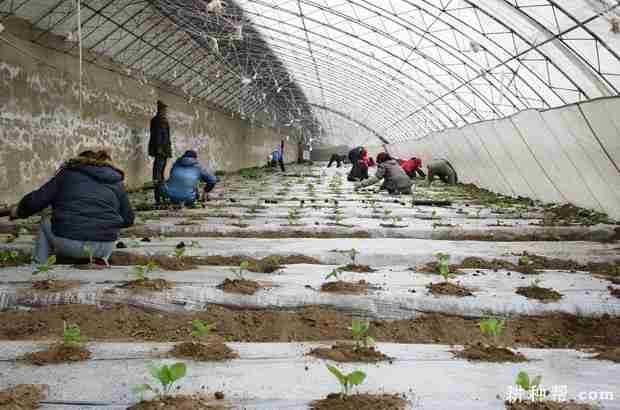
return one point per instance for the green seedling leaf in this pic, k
(332, 274)
(179, 252)
(493, 327)
(140, 389)
(356, 378)
(201, 329)
(72, 334)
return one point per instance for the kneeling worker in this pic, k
(186, 173)
(443, 169)
(277, 157)
(411, 166)
(396, 181)
(89, 208)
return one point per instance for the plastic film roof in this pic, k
(354, 71)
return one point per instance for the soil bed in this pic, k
(614, 291)
(485, 353)
(53, 285)
(347, 288)
(611, 353)
(449, 289)
(275, 234)
(342, 352)
(148, 284)
(360, 402)
(129, 323)
(539, 293)
(58, 353)
(176, 403)
(211, 352)
(357, 268)
(22, 397)
(547, 405)
(240, 286)
(164, 262)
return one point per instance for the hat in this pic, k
(382, 157)
(190, 154)
(161, 104)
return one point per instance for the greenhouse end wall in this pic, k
(569, 154)
(41, 125)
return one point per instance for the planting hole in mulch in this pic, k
(347, 288)
(57, 353)
(449, 289)
(539, 293)
(485, 353)
(177, 403)
(53, 285)
(240, 286)
(342, 352)
(547, 405)
(148, 284)
(360, 402)
(608, 353)
(433, 267)
(211, 352)
(356, 268)
(394, 226)
(22, 397)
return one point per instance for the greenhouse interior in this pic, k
(375, 205)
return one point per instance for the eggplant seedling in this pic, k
(444, 265)
(179, 252)
(201, 329)
(293, 216)
(333, 274)
(524, 260)
(347, 381)
(243, 266)
(166, 375)
(141, 272)
(71, 334)
(493, 328)
(46, 267)
(8, 256)
(359, 331)
(532, 386)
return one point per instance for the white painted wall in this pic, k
(569, 154)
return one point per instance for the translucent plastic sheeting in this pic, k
(604, 118)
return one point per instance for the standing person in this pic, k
(160, 146)
(89, 207)
(412, 166)
(277, 157)
(444, 170)
(186, 173)
(388, 169)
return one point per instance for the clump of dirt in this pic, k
(614, 291)
(433, 267)
(347, 288)
(360, 402)
(608, 353)
(356, 268)
(449, 289)
(177, 403)
(539, 293)
(240, 286)
(165, 262)
(157, 285)
(485, 353)
(54, 285)
(58, 353)
(473, 262)
(546, 405)
(212, 352)
(22, 397)
(342, 352)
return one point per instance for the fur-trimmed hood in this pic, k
(104, 171)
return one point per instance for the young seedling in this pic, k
(46, 267)
(179, 252)
(524, 260)
(338, 218)
(166, 375)
(493, 328)
(71, 334)
(359, 330)
(8, 256)
(396, 220)
(141, 272)
(243, 266)
(444, 265)
(531, 386)
(333, 274)
(293, 216)
(201, 329)
(353, 255)
(347, 381)
(387, 212)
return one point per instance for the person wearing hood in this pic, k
(160, 146)
(395, 179)
(359, 161)
(444, 170)
(89, 208)
(277, 158)
(186, 173)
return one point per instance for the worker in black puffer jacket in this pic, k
(89, 207)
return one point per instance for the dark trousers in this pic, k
(412, 174)
(159, 168)
(274, 163)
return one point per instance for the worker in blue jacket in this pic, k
(186, 173)
(277, 157)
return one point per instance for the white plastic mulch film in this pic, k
(355, 71)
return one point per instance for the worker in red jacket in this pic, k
(411, 166)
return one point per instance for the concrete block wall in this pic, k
(41, 126)
(569, 154)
